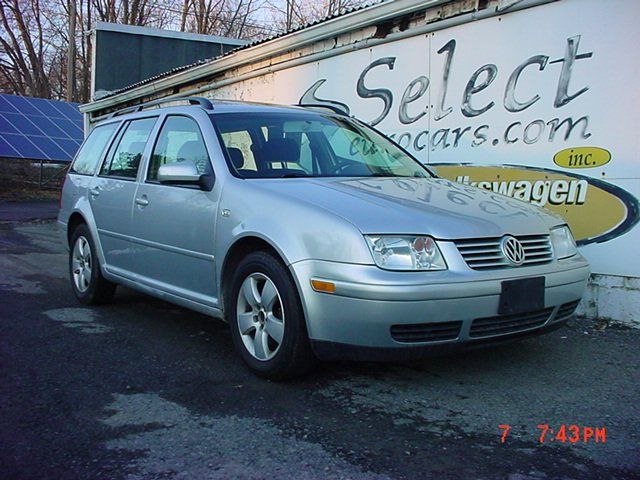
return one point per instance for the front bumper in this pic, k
(368, 301)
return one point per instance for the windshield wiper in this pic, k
(390, 175)
(295, 175)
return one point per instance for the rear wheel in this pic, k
(87, 282)
(266, 317)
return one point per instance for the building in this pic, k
(533, 99)
(126, 54)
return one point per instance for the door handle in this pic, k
(142, 201)
(94, 191)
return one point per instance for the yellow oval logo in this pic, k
(582, 157)
(595, 210)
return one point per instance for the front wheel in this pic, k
(267, 320)
(87, 282)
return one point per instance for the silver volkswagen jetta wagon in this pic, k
(310, 233)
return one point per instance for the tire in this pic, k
(87, 282)
(268, 328)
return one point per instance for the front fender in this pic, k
(297, 230)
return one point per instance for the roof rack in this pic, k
(332, 107)
(200, 101)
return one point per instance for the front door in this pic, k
(174, 225)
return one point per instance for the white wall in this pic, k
(542, 67)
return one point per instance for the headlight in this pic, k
(406, 253)
(563, 243)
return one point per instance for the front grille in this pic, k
(503, 324)
(566, 310)
(486, 254)
(426, 332)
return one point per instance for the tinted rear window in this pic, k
(89, 155)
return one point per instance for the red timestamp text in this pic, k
(563, 434)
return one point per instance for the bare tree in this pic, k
(209, 16)
(296, 13)
(23, 62)
(155, 13)
(36, 43)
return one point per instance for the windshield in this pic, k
(289, 145)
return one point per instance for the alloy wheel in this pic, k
(81, 264)
(260, 316)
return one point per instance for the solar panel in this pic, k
(6, 150)
(5, 106)
(24, 146)
(6, 126)
(39, 129)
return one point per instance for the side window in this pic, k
(306, 155)
(305, 160)
(179, 140)
(344, 143)
(90, 153)
(239, 147)
(279, 150)
(123, 160)
(354, 147)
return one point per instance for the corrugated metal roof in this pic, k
(244, 47)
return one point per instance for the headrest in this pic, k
(237, 157)
(137, 147)
(192, 150)
(280, 150)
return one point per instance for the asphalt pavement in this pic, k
(141, 389)
(28, 211)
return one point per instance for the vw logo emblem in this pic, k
(512, 250)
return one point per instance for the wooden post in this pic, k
(71, 52)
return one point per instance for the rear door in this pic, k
(174, 225)
(112, 192)
(80, 175)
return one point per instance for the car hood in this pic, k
(433, 206)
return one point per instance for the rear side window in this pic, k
(90, 153)
(123, 160)
(179, 140)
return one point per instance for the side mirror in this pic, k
(183, 173)
(178, 172)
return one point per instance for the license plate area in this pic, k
(522, 295)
